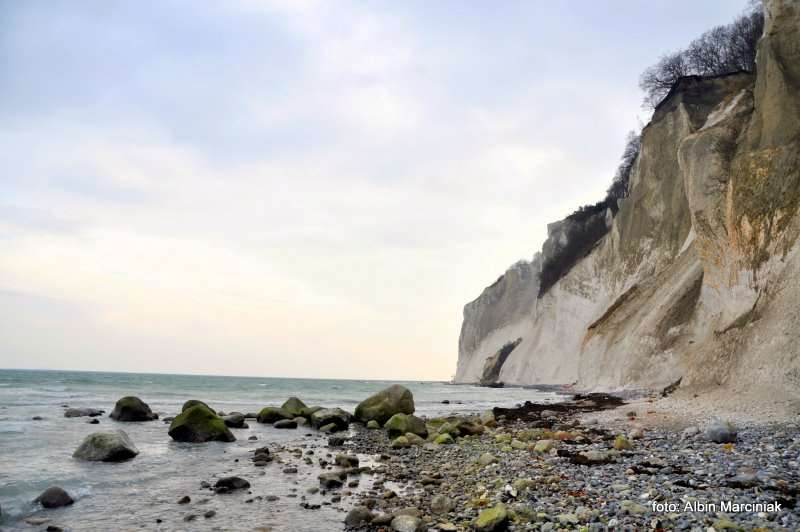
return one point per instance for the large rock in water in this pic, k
(192, 402)
(400, 424)
(112, 446)
(271, 414)
(199, 424)
(132, 409)
(328, 416)
(54, 497)
(295, 406)
(393, 400)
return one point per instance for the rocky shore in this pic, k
(540, 467)
(594, 462)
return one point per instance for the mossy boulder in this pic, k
(191, 402)
(328, 416)
(199, 424)
(393, 400)
(399, 424)
(443, 439)
(294, 406)
(112, 446)
(372, 424)
(132, 409)
(492, 519)
(413, 439)
(400, 441)
(271, 414)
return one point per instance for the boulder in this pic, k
(492, 519)
(393, 400)
(721, 432)
(54, 497)
(234, 421)
(399, 424)
(372, 424)
(294, 406)
(83, 412)
(285, 424)
(132, 409)
(112, 446)
(271, 414)
(470, 427)
(326, 416)
(199, 424)
(192, 402)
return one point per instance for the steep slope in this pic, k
(697, 277)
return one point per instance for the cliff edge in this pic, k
(697, 276)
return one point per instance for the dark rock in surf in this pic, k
(132, 409)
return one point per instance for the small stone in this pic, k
(346, 460)
(543, 446)
(358, 516)
(372, 424)
(621, 443)
(185, 500)
(209, 514)
(407, 523)
(486, 459)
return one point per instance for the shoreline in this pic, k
(602, 468)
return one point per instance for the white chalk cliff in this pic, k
(698, 276)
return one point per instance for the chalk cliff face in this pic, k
(698, 277)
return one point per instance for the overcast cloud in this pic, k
(291, 188)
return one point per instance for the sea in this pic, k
(142, 493)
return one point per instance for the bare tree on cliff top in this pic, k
(720, 50)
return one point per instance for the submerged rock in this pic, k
(285, 424)
(400, 424)
(199, 424)
(112, 446)
(132, 409)
(393, 400)
(83, 412)
(54, 497)
(235, 421)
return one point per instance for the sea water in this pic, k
(134, 495)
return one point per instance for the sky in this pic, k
(296, 188)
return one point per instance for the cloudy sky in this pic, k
(292, 188)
